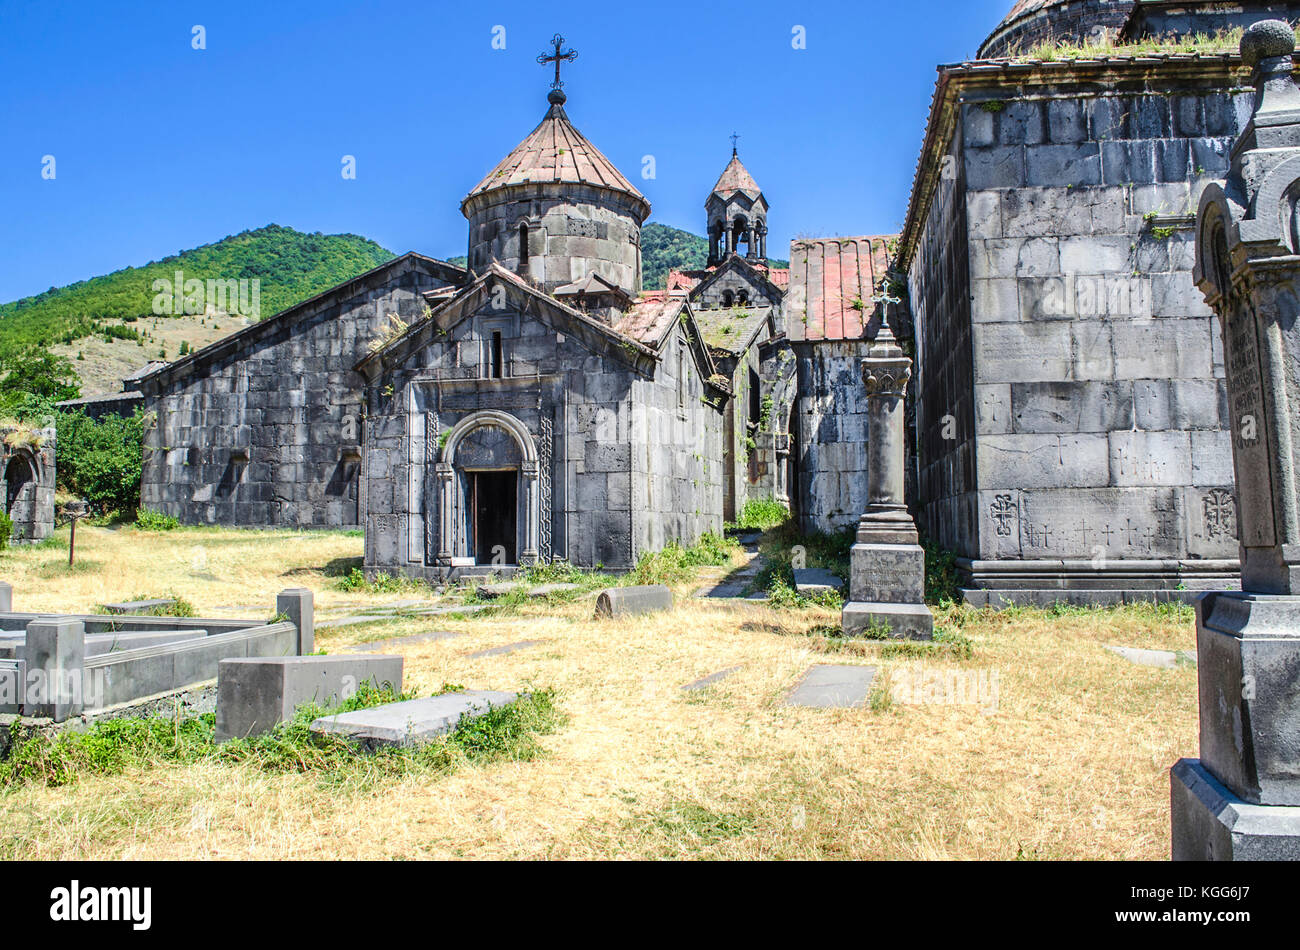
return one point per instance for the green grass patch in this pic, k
(115, 745)
(675, 564)
(147, 519)
(761, 514)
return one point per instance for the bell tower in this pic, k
(737, 214)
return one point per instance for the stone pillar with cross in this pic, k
(887, 574)
(1241, 799)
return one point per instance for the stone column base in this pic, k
(905, 621)
(1209, 823)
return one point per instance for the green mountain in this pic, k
(290, 266)
(664, 248)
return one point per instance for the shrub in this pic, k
(760, 514)
(675, 563)
(147, 519)
(101, 460)
(6, 530)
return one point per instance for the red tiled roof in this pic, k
(736, 177)
(647, 320)
(832, 283)
(555, 151)
(684, 279)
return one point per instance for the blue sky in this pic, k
(160, 147)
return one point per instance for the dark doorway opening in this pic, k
(494, 498)
(17, 477)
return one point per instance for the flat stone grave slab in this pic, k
(500, 589)
(413, 721)
(704, 682)
(503, 650)
(255, 694)
(1161, 659)
(810, 581)
(402, 641)
(831, 686)
(393, 608)
(138, 606)
(546, 590)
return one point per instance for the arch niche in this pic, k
(20, 493)
(488, 492)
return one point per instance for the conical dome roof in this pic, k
(736, 177)
(556, 153)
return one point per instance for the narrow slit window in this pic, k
(498, 356)
(523, 249)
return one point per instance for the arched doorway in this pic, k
(20, 494)
(488, 492)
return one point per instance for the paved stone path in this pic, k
(733, 584)
(830, 686)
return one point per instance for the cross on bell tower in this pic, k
(561, 55)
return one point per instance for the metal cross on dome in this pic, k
(734, 138)
(561, 55)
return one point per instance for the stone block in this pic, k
(618, 602)
(813, 581)
(993, 407)
(1001, 167)
(995, 301)
(6, 598)
(1211, 458)
(1070, 406)
(1071, 165)
(414, 721)
(887, 573)
(256, 694)
(1022, 352)
(1042, 461)
(1248, 646)
(903, 621)
(1066, 121)
(297, 605)
(55, 650)
(984, 213)
(833, 686)
(1209, 823)
(1150, 458)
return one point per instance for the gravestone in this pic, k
(1241, 799)
(887, 580)
(619, 602)
(414, 721)
(833, 686)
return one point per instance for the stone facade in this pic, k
(27, 475)
(264, 428)
(1071, 418)
(609, 446)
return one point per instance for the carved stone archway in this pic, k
(451, 502)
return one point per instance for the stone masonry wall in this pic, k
(832, 428)
(942, 388)
(265, 434)
(601, 503)
(27, 483)
(1097, 369)
(677, 455)
(569, 236)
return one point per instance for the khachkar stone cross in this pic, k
(561, 55)
(887, 579)
(1241, 799)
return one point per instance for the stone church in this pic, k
(1068, 420)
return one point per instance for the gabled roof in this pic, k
(736, 177)
(755, 274)
(556, 153)
(732, 330)
(475, 294)
(591, 285)
(285, 319)
(832, 285)
(686, 281)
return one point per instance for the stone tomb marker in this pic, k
(887, 584)
(1241, 799)
(413, 721)
(832, 686)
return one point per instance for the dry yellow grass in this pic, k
(1072, 763)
